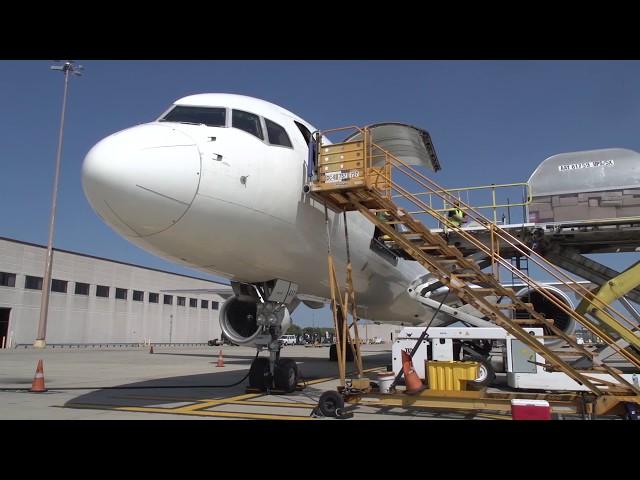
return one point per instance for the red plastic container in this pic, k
(530, 410)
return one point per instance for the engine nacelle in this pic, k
(544, 306)
(248, 323)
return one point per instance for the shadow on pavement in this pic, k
(196, 388)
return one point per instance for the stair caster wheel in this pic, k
(331, 404)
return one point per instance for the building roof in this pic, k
(13, 240)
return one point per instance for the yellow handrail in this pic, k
(509, 239)
(497, 234)
(444, 194)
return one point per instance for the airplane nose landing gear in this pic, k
(271, 302)
(274, 373)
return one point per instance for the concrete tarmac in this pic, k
(181, 383)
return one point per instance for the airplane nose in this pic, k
(143, 179)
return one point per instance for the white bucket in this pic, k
(385, 380)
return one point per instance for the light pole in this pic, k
(67, 68)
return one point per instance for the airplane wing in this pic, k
(559, 285)
(225, 292)
(439, 292)
(312, 301)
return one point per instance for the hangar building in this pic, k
(96, 300)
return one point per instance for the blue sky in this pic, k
(490, 121)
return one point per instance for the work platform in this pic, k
(585, 237)
(391, 192)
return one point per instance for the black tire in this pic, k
(330, 403)
(486, 373)
(333, 353)
(259, 374)
(286, 375)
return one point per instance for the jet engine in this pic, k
(245, 322)
(544, 306)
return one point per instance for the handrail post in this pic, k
(525, 193)
(493, 196)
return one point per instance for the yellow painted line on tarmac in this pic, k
(172, 411)
(167, 399)
(181, 399)
(328, 379)
(494, 417)
(213, 403)
(231, 400)
(205, 413)
(274, 404)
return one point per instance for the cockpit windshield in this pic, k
(212, 117)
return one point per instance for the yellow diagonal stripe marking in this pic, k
(212, 403)
(203, 413)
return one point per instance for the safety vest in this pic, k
(455, 216)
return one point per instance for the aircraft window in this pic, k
(212, 117)
(304, 131)
(248, 122)
(277, 134)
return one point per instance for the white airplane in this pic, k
(216, 183)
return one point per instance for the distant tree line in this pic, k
(297, 330)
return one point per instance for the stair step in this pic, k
(511, 306)
(484, 290)
(430, 247)
(569, 352)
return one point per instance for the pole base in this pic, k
(40, 344)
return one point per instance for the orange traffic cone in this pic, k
(151, 349)
(38, 381)
(411, 379)
(220, 360)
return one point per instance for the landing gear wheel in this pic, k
(333, 353)
(486, 373)
(259, 374)
(286, 375)
(331, 403)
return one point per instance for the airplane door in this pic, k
(281, 179)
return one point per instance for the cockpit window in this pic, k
(212, 117)
(277, 134)
(248, 122)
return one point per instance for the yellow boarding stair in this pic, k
(362, 176)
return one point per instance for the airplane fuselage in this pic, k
(220, 199)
